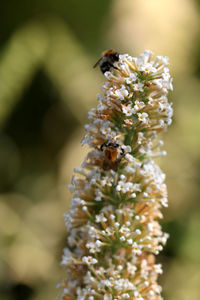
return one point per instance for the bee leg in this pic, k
(115, 68)
(105, 166)
(115, 166)
(116, 178)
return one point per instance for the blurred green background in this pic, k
(47, 85)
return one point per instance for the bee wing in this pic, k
(97, 63)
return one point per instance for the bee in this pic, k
(106, 62)
(112, 155)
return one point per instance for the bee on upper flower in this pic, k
(106, 62)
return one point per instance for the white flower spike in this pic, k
(112, 224)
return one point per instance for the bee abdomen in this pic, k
(105, 66)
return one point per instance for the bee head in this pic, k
(115, 56)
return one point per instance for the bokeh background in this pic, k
(47, 85)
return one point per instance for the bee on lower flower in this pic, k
(112, 155)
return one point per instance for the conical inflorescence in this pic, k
(118, 193)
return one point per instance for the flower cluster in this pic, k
(112, 224)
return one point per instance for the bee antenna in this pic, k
(97, 62)
(121, 134)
